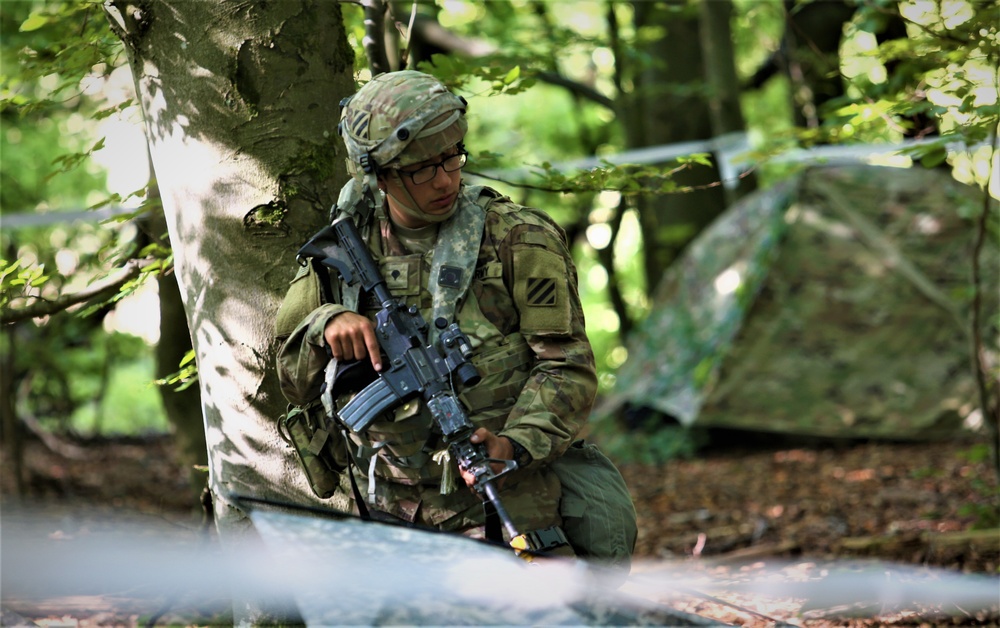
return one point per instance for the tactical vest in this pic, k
(406, 447)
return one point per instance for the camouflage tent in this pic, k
(832, 304)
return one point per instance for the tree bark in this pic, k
(668, 105)
(240, 102)
(183, 407)
(724, 107)
(10, 427)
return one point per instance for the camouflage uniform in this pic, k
(524, 318)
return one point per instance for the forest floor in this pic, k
(738, 528)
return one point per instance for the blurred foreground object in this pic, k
(335, 571)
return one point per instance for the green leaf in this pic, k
(8, 268)
(704, 159)
(188, 358)
(934, 157)
(34, 22)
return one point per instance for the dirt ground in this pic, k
(790, 514)
(733, 517)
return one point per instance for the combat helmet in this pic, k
(397, 119)
(400, 118)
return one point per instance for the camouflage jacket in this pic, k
(523, 315)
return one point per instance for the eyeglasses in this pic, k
(428, 172)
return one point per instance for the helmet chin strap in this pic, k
(409, 206)
(373, 196)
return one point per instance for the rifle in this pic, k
(416, 367)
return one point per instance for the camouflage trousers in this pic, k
(531, 497)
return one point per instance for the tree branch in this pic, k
(988, 399)
(607, 259)
(584, 91)
(97, 291)
(429, 30)
(52, 442)
(374, 39)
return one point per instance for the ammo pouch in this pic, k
(319, 446)
(598, 515)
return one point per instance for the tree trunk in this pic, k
(10, 427)
(668, 105)
(724, 107)
(182, 407)
(241, 106)
(812, 45)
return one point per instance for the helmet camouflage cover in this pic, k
(398, 119)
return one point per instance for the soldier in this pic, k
(502, 271)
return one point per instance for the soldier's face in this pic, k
(434, 197)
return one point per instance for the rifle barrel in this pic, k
(492, 494)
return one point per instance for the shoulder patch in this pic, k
(541, 292)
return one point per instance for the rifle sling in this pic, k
(325, 285)
(364, 512)
(454, 261)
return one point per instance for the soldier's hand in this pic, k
(351, 336)
(497, 447)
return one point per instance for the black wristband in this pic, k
(521, 455)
